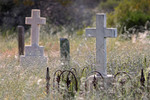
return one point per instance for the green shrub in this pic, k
(109, 5)
(80, 32)
(130, 13)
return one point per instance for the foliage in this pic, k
(12, 13)
(109, 5)
(80, 32)
(130, 13)
(60, 13)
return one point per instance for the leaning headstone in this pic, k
(101, 33)
(21, 40)
(65, 51)
(34, 54)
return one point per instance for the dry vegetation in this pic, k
(17, 83)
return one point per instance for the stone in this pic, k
(106, 83)
(20, 40)
(65, 51)
(147, 25)
(34, 54)
(35, 20)
(101, 33)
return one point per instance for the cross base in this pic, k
(65, 62)
(107, 82)
(34, 50)
(34, 56)
(29, 61)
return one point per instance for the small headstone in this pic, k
(21, 40)
(34, 54)
(101, 33)
(147, 25)
(65, 51)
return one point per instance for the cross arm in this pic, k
(90, 32)
(28, 20)
(110, 32)
(42, 20)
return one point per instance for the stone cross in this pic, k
(35, 20)
(34, 54)
(101, 33)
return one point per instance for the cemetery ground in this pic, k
(17, 83)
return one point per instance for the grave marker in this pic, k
(65, 51)
(20, 40)
(101, 33)
(34, 54)
(35, 20)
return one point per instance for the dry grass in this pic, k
(17, 83)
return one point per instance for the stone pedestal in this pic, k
(107, 81)
(34, 56)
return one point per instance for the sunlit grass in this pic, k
(18, 83)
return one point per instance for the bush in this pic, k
(130, 13)
(109, 5)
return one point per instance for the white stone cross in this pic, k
(101, 33)
(35, 20)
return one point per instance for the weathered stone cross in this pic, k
(35, 20)
(101, 33)
(34, 54)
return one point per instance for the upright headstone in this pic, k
(101, 33)
(34, 54)
(21, 40)
(65, 51)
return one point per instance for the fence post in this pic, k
(142, 80)
(148, 82)
(47, 81)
